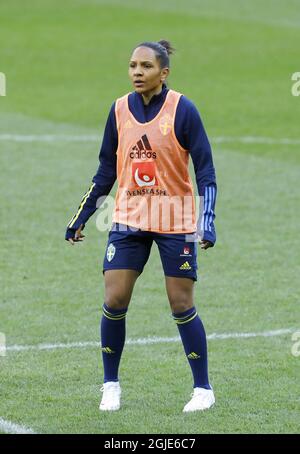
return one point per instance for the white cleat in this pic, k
(202, 399)
(111, 396)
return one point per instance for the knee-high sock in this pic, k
(193, 337)
(113, 332)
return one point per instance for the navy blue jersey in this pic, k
(190, 134)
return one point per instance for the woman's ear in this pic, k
(164, 74)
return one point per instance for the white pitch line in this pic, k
(98, 138)
(256, 139)
(278, 332)
(48, 138)
(147, 340)
(10, 427)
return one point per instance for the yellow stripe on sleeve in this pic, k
(85, 197)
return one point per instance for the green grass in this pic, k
(63, 395)
(68, 61)
(65, 65)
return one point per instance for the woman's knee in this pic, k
(180, 293)
(118, 288)
(179, 305)
(116, 301)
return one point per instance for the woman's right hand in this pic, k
(73, 236)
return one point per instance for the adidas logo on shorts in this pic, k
(185, 266)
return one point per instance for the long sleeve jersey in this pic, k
(190, 134)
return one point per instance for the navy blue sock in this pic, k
(193, 337)
(112, 341)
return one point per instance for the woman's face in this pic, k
(144, 70)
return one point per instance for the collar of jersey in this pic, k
(155, 98)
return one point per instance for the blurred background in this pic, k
(65, 63)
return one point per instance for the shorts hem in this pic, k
(194, 278)
(123, 268)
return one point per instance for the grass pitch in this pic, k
(65, 64)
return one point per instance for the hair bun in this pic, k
(167, 46)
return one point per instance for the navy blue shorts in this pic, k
(130, 249)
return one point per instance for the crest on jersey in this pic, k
(110, 253)
(165, 124)
(144, 173)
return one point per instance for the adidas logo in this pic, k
(185, 266)
(142, 149)
(128, 124)
(193, 355)
(107, 350)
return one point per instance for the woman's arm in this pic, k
(191, 135)
(102, 183)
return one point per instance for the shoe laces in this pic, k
(111, 389)
(198, 392)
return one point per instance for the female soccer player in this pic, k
(148, 138)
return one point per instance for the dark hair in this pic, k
(162, 51)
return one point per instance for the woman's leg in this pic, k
(118, 290)
(181, 298)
